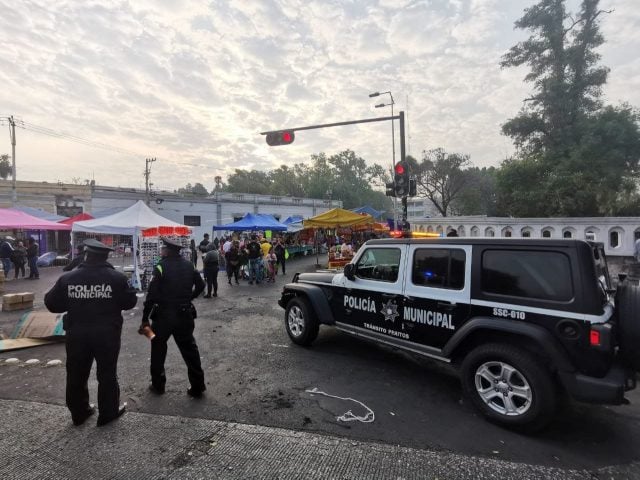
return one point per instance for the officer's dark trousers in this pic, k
(171, 321)
(83, 345)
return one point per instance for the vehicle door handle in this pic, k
(446, 305)
(389, 295)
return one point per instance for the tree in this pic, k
(575, 156)
(6, 168)
(478, 196)
(249, 181)
(440, 177)
(198, 189)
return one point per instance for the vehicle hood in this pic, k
(316, 277)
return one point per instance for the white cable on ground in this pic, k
(348, 416)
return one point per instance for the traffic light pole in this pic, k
(399, 117)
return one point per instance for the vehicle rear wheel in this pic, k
(300, 321)
(628, 309)
(509, 386)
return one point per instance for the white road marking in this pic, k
(51, 363)
(12, 360)
(32, 361)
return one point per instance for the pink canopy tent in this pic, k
(15, 219)
(81, 217)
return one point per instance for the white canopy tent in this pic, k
(127, 222)
(131, 221)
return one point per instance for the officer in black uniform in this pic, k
(93, 296)
(174, 285)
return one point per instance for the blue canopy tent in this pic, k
(252, 222)
(369, 210)
(294, 223)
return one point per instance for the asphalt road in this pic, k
(255, 375)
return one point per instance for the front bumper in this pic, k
(607, 390)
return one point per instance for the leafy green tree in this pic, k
(198, 189)
(5, 167)
(575, 156)
(249, 181)
(440, 178)
(478, 197)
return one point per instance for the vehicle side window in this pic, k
(536, 275)
(379, 264)
(439, 268)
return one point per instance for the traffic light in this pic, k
(389, 190)
(401, 179)
(283, 137)
(413, 187)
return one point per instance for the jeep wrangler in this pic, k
(521, 319)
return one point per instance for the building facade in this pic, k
(618, 234)
(203, 213)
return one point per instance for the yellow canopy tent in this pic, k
(337, 217)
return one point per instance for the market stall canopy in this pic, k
(369, 210)
(337, 217)
(81, 217)
(254, 221)
(10, 219)
(127, 222)
(373, 227)
(294, 223)
(38, 213)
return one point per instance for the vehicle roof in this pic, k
(520, 242)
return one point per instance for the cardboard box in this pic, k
(39, 324)
(11, 298)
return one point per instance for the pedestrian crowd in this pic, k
(14, 254)
(253, 258)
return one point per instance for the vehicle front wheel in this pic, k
(509, 386)
(300, 322)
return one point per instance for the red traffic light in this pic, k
(283, 137)
(399, 169)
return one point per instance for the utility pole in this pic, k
(12, 135)
(147, 174)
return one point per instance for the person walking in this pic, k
(211, 262)
(270, 261)
(174, 285)
(232, 260)
(6, 254)
(93, 296)
(19, 259)
(204, 244)
(33, 251)
(194, 253)
(254, 252)
(280, 252)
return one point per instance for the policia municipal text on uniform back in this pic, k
(168, 305)
(93, 296)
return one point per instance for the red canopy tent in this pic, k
(78, 218)
(15, 219)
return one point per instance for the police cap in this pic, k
(171, 244)
(94, 246)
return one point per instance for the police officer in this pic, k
(93, 296)
(174, 284)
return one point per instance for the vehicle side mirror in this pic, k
(349, 271)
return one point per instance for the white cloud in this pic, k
(194, 83)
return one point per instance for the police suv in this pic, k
(522, 319)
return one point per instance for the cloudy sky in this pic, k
(194, 82)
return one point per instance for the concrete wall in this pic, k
(600, 229)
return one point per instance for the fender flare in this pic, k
(542, 338)
(317, 299)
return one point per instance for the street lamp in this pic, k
(393, 135)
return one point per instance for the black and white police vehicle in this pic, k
(523, 319)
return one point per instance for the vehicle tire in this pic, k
(509, 386)
(300, 321)
(628, 309)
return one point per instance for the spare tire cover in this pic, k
(628, 313)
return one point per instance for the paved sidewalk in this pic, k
(38, 441)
